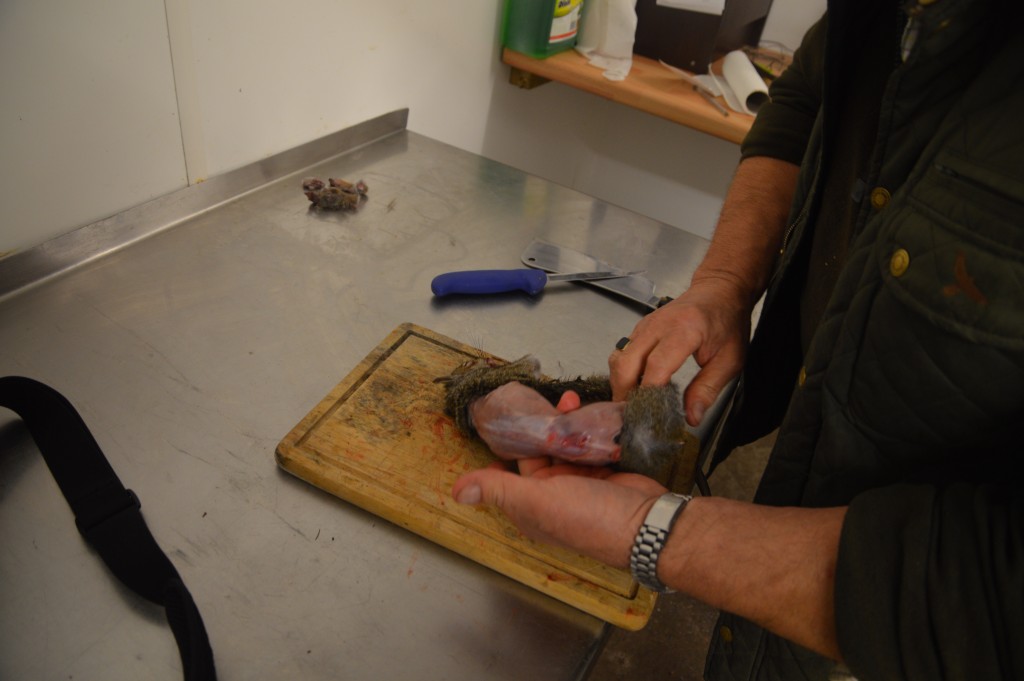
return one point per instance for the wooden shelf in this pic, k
(649, 87)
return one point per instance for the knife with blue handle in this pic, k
(553, 259)
(531, 281)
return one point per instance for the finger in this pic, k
(664, 362)
(661, 343)
(569, 401)
(494, 488)
(467, 489)
(668, 356)
(579, 470)
(706, 386)
(531, 465)
(627, 364)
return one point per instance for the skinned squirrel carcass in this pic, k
(511, 406)
(517, 421)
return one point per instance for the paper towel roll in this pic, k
(744, 88)
(606, 36)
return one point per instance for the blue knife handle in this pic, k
(489, 281)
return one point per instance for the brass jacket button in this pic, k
(802, 377)
(880, 198)
(899, 262)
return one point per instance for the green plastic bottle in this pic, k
(540, 28)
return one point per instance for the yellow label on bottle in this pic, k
(566, 21)
(563, 7)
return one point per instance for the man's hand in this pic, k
(710, 321)
(773, 566)
(588, 509)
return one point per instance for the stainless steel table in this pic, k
(194, 331)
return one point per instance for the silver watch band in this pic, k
(650, 539)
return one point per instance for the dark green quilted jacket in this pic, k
(909, 402)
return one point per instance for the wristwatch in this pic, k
(643, 562)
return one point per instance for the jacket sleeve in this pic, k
(930, 583)
(783, 125)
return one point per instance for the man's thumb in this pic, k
(705, 388)
(485, 486)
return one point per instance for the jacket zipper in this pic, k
(792, 226)
(787, 235)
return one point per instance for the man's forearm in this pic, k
(773, 566)
(751, 226)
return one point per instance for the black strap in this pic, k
(108, 515)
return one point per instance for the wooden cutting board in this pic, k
(381, 441)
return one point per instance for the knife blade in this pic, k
(554, 258)
(531, 281)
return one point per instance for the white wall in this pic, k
(109, 103)
(88, 121)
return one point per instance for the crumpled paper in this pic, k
(606, 36)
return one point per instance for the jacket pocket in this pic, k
(939, 366)
(956, 252)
